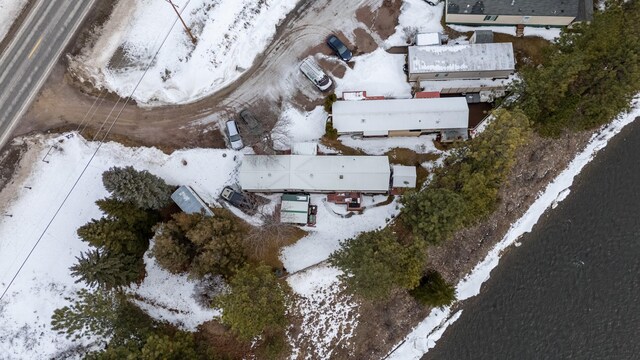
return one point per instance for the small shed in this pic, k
(189, 201)
(481, 37)
(425, 39)
(404, 176)
(294, 208)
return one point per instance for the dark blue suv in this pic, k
(339, 48)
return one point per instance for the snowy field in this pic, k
(9, 10)
(428, 332)
(230, 33)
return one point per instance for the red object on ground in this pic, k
(427, 95)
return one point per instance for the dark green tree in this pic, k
(201, 245)
(433, 214)
(375, 263)
(106, 314)
(180, 346)
(142, 188)
(257, 302)
(434, 290)
(100, 269)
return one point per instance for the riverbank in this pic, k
(541, 178)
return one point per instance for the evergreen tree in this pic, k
(114, 236)
(257, 301)
(105, 314)
(138, 220)
(374, 263)
(200, 244)
(171, 249)
(434, 213)
(107, 271)
(142, 188)
(180, 346)
(434, 290)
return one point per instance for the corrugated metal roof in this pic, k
(516, 7)
(455, 58)
(189, 202)
(294, 209)
(400, 114)
(307, 173)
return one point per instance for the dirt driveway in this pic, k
(273, 81)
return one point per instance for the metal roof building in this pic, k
(315, 174)
(518, 12)
(189, 201)
(468, 61)
(294, 208)
(402, 117)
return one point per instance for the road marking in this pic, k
(35, 48)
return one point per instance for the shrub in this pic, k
(434, 290)
(328, 102)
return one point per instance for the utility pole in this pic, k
(175, 8)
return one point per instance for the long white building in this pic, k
(400, 117)
(315, 174)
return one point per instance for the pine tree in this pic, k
(140, 221)
(180, 346)
(114, 236)
(257, 301)
(107, 271)
(434, 290)
(142, 188)
(171, 249)
(374, 264)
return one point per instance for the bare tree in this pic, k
(271, 234)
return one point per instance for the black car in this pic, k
(339, 48)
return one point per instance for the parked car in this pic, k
(234, 135)
(339, 48)
(312, 71)
(251, 121)
(245, 202)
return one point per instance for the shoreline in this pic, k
(425, 334)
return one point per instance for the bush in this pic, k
(201, 245)
(434, 291)
(330, 132)
(328, 102)
(257, 302)
(374, 264)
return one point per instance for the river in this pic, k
(572, 289)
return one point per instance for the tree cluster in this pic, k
(200, 245)
(589, 75)
(465, 189)
(121, 237)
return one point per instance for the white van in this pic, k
(312, 71)
(234, 135)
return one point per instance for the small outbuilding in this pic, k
(481, 37)
(400, 117)
(304, 148)
(294, 208)
(404, 176)
(468, 61)
(189, 201)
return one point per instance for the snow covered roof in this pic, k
(294, 209)
(189, 201)
(404, 176)
(424, 39)
(467, 57)
(307, 173)
(512, 7)
(400, 114)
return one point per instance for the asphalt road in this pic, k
(31, 54)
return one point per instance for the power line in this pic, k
(91, 158)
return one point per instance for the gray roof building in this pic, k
(517, 12)
(190, 202)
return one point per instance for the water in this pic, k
(572, 290)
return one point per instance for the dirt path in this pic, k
(61, 106)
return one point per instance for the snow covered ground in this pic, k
(426, 334)
(29, 203)
(230, 33)
(9, 10)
